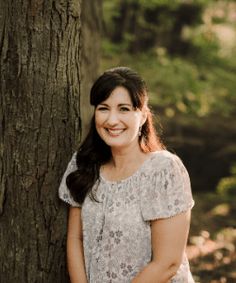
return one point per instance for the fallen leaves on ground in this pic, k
(212, 243)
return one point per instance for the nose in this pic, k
(112, 118)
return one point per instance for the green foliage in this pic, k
(185, 50)
(198, 83)
(179, 85)
(143, 24)
(227, 185)
(110, 11)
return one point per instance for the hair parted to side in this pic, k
(94, 152)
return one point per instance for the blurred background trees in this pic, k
(186, 51)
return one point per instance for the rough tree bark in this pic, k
(40, 127)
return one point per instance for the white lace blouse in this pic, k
(116, 230)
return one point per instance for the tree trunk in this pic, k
(91, 30)
(40, 127)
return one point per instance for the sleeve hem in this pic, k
(71, 203)
(155, 216)
(63, 191)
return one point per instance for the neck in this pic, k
(122, 156)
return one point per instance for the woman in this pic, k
(130, 198)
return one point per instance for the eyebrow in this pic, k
(120, 104)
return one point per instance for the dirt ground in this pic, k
(212, 241)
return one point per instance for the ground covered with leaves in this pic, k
(212, 242)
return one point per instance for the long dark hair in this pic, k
(94, 152)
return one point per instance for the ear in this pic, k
(144, 115)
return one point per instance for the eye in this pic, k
(124, 109)
(102, 108)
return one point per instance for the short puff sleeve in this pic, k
(168, 191)
(63, 191)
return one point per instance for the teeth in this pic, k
(115, 132)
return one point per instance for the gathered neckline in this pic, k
(135, 173)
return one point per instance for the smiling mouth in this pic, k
(115, 132)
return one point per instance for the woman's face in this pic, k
(117, 122)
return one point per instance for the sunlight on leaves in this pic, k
(222, 209)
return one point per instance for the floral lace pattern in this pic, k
(116, 229)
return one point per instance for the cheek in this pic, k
(98, 120)
(137, 119)
(98, 125)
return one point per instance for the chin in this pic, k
(117, 142)
(115, 145)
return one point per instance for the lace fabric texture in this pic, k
(116, 229)
(64, 193)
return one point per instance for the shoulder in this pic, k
(164, 160)
(64, 193)
(166, 165)
(73, 158)
(166, 188)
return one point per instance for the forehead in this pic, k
(119, 95)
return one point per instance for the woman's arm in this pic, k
(75, 254)
(169, 238)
